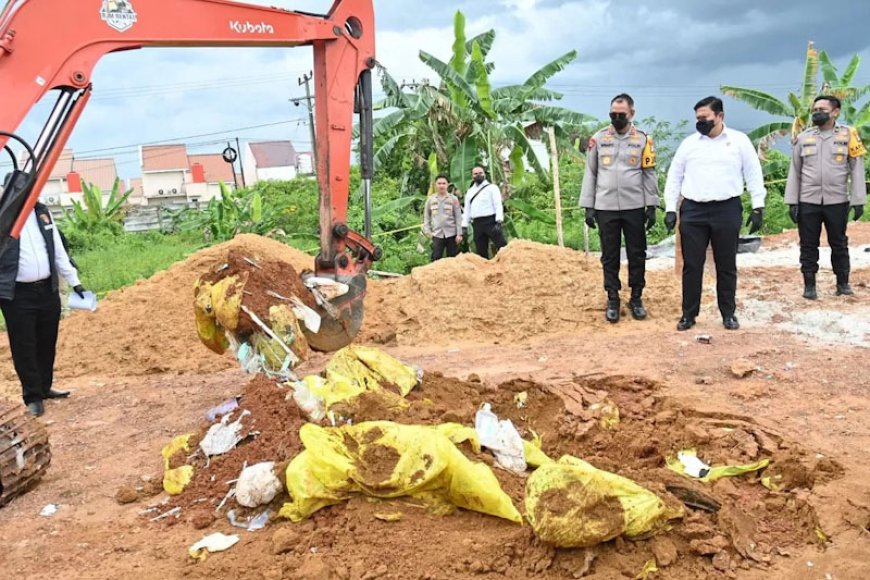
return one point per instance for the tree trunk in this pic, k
(554, 157)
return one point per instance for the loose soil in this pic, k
(149, 379)
(739, 522)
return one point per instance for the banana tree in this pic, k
(464, 121)
(798, 107)
(93, 214)
(841, 87)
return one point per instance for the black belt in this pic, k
(487, 218)
(38, 283)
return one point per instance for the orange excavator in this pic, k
(53, 46)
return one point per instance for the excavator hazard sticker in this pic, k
(118, 14)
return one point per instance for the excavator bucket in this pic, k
(341, 317)
(25, 453)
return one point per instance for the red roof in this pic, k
(216, 169)
(100, 172)
(274, 154)
(164, 158)
(63, 165)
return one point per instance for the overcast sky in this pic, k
(666, 57)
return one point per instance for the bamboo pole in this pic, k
(554, 157)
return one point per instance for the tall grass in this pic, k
(132, 257)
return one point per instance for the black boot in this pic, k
(810, 286)
(612, 312)
(843, 288)
(638, 312)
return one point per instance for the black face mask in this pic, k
(619, 121)
(704, 126)
(478, 179)
(820, 118)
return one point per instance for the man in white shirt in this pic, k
(30, 302)
(485, 212)
(708, 171)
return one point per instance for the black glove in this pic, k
(859, 211)
(650, 217)
(756, 220)
(80, 290)
(590, 218)
(671, 221)
(496, 228)
(794, 213)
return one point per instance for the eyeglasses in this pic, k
(615, 116)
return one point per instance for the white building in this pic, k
(270, 160)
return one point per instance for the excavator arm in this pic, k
(53, 45)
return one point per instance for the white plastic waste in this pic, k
(217, 542)
(257, 485)
(328, 287)
(252, 524)
(224, 436)
(48, 510)
(311, 404)
(500, 437)
(693, 466)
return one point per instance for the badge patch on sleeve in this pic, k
(649, 154)
(856, 147)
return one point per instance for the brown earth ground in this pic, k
(140, 377)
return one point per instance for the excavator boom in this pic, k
(50, 45)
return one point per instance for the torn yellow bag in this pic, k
(354, 370)
(388, 460)
(571, 504)
(175, 480)
(674, 464)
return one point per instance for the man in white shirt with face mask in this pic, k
(708, 171)
(485, 212)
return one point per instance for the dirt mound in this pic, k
(736, 522)
(527, 290)
(149, 327)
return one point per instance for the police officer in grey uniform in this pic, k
(442, 219)
(825, 179)
(620, 194)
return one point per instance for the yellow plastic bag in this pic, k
(387, 460)
(571, 504)
(534, 456)
(175, 480)
(354, 370)
(715, 473)
(370, 368)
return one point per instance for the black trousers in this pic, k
(835, 218)
(612, 226)
(715, 223)
(441, 244)
(32, 320)
(486, 232)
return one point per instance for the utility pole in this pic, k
(554, 156)
(309, 101)
(241, 162)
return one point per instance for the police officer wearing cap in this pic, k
(620, 194)
(825, 179)
(709, 171)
